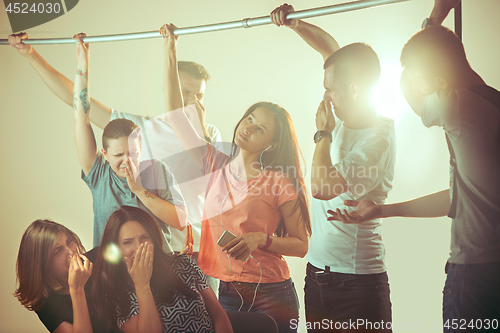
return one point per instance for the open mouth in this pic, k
(243, 137)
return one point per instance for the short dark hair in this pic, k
(118, 128)
(357, 63)
(436, 50)
(195, 70)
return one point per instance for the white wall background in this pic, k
(40, 172)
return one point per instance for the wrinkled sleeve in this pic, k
(362, 166)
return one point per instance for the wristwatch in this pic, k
(427, 23)
(322, 134)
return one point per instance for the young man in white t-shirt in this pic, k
(354, 158)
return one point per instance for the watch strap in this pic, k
(322, 134)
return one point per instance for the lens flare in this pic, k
(112, 253)
(387, 96)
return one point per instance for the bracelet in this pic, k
(82, 73)
(269, 242)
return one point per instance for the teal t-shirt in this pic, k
(110, 192)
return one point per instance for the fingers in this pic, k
(16, 41)
(79, 38)
(128, 172)
(231, 243)
(87, 264)
(349, 217)
(283, 13)
(328, 106)
(278, 15)
(151, 253)
(138, 255)
(351, 203)
(128, 262)
(167, 30)
(341, 216)
(78, 261)
(333, 217)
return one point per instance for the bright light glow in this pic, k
(387, 96)
(112, 253)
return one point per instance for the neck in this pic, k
(467, 78)
(65, 288)
(246, 165)
(361, 115)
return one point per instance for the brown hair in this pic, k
(33, 262)
(436, 51)
(111, 281)
(356, 63)
(195, 70)
(285, 157)
(119, 128)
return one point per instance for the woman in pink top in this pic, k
(257, 194)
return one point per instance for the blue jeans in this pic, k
(338, 302)
(471, 294)
(278, 300)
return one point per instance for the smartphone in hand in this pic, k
(225, 238)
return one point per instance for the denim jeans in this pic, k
(471, 295)
(338, 302)
(278, 300)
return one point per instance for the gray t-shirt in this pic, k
(472, 127)
(110, 192)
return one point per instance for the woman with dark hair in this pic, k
(142, 289)
(52, 274)
(114, 175)
(258, 195)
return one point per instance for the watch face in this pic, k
(317, 136)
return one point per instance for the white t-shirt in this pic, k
(366, 159)
(159, 140)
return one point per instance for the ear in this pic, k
(442, 83)
(354, 91)
(104, 154)
(274, 146)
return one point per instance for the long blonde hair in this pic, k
(34, 274)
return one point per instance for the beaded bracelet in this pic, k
(82, 73)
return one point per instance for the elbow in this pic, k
(321, 191)
(323, 196)
(302, 250)
(302, 254)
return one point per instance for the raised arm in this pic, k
(60, 85)
(173, 98)
(314, 36)
(326, 181)
(432, 205)
(170, 214)
(86, 147)
(441, 9)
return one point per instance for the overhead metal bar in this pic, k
(245, 23)
(458, 20)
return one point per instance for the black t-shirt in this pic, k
(58, 308)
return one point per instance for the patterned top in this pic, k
(182, 314)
